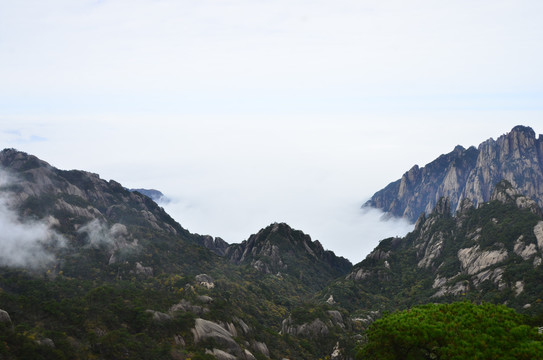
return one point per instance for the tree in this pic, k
(459, 330)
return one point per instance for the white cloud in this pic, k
(211, 48)
(25, 243)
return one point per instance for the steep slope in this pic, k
(468, 174)
(492, 253)
(100, 222)
(280, 249)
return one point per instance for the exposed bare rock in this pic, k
(159, 316)
(432, 250)
(231, 329)
(82, 194)
(469, 174)
(217, 245)
(205, 329)
(336, 318)
(506, 193)
(179, 341)
(261, 348)
(336, 353)
(88, 212)
(244, 327)
(460, 287)
(439, 282)
(494, 275)
(368, 319)
(205, 280)
(474, 260)
(221, 355)
(205, 299)
(144, 270)
(538, 232)
(248, 355)
(186, 306)
(4, 317)
(524, 250)
(518, 287)
(359, 274)
(46, 342)
(314, 329)
(379, 254)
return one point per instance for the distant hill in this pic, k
(156, 195)
(468, 174)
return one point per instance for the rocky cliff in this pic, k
(493, 253)
(468, 174)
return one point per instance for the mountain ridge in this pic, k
(492, 252)
(470, 173)
(130, 282)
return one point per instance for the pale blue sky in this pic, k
(248, 112)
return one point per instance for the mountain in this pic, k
(468, 174)
(89, 269)
(491, 253)
(279, 249)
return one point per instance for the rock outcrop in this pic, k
(468, 174)
(222, 336)
(217, 245)
(4, 317)
(315, 329)
(472, 252)
(205, 329)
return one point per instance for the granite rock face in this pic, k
(4, 317)
(468, 174)
(473, 252)
(39, 189)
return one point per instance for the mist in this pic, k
(25, 243)
(340, 224)
(116, 239)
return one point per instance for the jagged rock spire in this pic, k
(468, 174)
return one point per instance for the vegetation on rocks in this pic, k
(120, 279)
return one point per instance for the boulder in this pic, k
(159, 316)
(221, 355)
(261, 348)
(205, 329)
(205, 280)
(4, 317)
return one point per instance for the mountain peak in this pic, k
(468, 174)
(20, 161)
(278, 248)
(524, 130)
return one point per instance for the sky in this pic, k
(249, 112)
